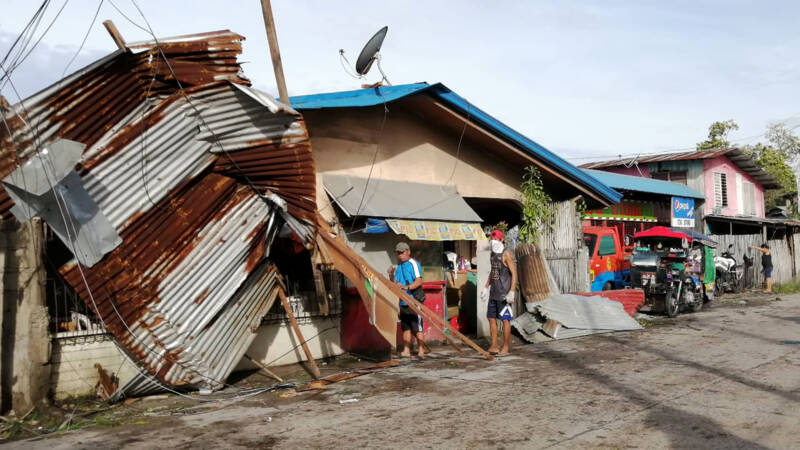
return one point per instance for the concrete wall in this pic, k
(276, 344)
(25, 350)
(735, 176)
(345, 142)
(73, 359)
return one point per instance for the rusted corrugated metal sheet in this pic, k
(194, 181)
(631, 299)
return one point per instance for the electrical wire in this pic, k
(458, 148)
(83, 42)
(19, 61)
(374, 156)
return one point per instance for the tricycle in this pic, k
(675, 268)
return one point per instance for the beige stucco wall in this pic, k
(73, 372)
(345, 142)
(277, 345)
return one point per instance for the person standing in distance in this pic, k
(766, 264)
(408, 275)
(499, 291)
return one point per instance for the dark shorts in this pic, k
(494, 308)
(768, 272)
(409, 320)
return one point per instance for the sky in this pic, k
(588, 80)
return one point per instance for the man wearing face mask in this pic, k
(499, 291)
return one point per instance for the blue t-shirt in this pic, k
(406, 273)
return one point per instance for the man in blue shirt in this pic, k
(408, 275)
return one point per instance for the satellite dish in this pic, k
(371, 53)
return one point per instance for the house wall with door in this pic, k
(729, 191)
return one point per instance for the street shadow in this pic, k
(791, 396)
(683, 428)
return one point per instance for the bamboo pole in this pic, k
(299, 334)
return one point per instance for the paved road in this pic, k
(722, 378)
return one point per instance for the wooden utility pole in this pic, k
(274, 51)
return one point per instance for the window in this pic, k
(607, 246)
(749, 200)
(673, 176)
(591, 241)
(720, 190)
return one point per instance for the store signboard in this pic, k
(682, 212)
(626, 211)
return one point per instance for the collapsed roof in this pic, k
(183, 174)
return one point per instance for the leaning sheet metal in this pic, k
(196, 179)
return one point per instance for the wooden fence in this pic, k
(785, 256)
(564, 250)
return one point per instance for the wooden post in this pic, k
(299, 334)
(274, 51)
(115, 35)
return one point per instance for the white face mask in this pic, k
(497, 246)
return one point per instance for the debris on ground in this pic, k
(564, 316)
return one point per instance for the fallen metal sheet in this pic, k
(587, 313)
(47, 186)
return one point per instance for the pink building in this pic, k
(733, 183)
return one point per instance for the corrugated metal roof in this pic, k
(385, 94)
(193, 181)
(397, 199)
(642, 184)
(738, 157)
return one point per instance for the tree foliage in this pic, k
(537, 210)
(718, 135)
(776, 157)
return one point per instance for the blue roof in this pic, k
(641, 184)
(385, 94)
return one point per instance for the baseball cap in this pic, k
(402, 247)
(497, 235)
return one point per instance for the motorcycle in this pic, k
(730, 275)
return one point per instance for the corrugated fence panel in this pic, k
(779, 248)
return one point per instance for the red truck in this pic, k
(609, 258)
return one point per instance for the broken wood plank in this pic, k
(264, 368)
(288, 308)
(358, 271)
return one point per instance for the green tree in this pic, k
(776, 157)
(537, 211)
(718, 135)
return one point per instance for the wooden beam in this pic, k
(115, 35)
(264, 368)
(274, 51)
(358, 265)
(288, 308)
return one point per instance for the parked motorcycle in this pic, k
(730, 274)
